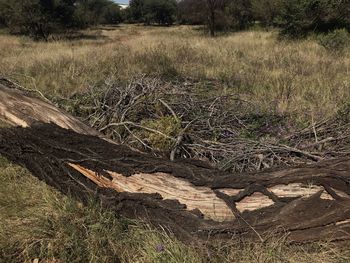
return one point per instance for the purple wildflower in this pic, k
(160, 248)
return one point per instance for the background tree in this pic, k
(213, 7)
(299, 17)
(3, 13)
(94, 12)
(36, 18)
(112, 14)
(266, 11)
(160, 11)
(191, 12)
(137, 10)
(40, 18)
(240, 13)
(296, 18)
(217, 14)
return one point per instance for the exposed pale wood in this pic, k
(169, 187)
(230, 191)
(299, 190)
(20, 109)
(187, 197)
(254, 202)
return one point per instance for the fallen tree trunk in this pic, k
(188, 197)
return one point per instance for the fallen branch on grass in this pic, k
(187, 197)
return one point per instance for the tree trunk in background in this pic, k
(211, 7)
(212, 23)
(187, 197)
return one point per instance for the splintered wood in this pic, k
(202, 198)
(169, 187)
(188, 197)
(19, 109)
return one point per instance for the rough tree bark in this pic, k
(188, 197)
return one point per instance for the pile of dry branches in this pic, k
(223, 129)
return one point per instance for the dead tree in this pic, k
(187, 197)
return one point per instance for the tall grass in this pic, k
(299, 78)
(293, 78)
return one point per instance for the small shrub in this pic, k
(167, 125)
(335, 41)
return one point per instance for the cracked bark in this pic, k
(187, 197)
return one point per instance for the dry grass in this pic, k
(39, 223)
(288, 78)
(299, 78)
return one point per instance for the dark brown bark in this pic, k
(188, 197)
(212, 23)
(211, 6)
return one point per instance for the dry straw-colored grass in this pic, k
(299, 77)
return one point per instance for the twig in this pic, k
(169, 108)
(137, 126)
(176, 146)
(137, 138)
(26, 89)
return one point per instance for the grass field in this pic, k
(298, 79)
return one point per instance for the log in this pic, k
(187, 197)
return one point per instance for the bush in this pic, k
(298, 18)
(335, 41)
(112, 14)
(167, 125)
